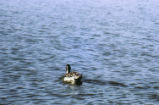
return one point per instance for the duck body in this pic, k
(72, 77)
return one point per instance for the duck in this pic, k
(72, 77)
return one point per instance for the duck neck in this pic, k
(68, 68)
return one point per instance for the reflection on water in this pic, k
(113, 43)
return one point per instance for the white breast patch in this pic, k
(69, 79)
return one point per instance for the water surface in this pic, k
(114, 43)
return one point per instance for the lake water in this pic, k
(113, 43)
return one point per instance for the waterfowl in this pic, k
(72, 77)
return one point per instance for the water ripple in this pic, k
(113, 44)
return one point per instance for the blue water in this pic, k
(113, 43)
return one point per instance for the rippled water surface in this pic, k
(113, 43)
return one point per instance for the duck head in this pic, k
(68, 68)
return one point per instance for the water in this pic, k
(113, 43)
